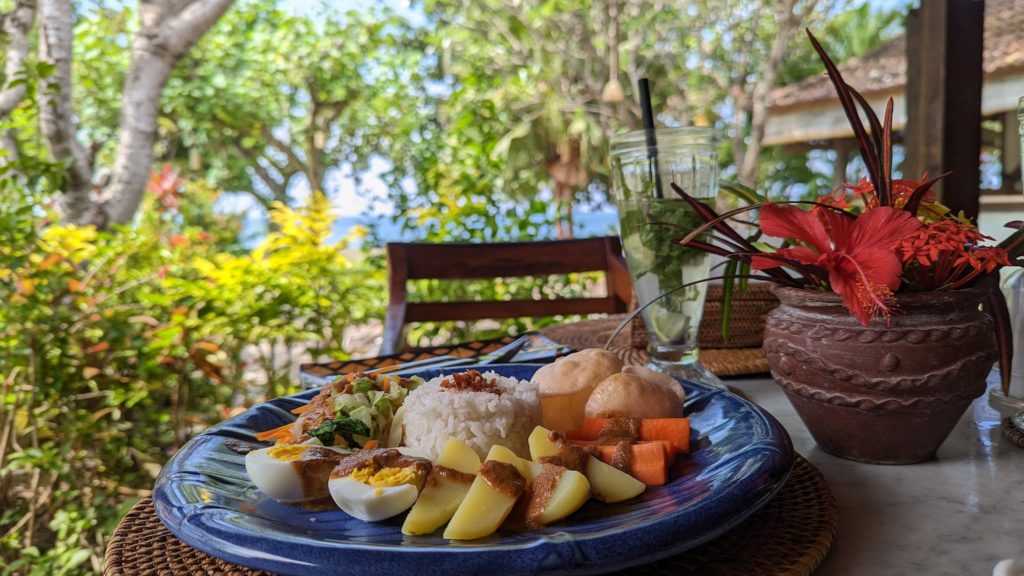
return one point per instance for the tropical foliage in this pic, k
(490, 121)
(117, 346)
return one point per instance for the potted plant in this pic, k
(879, 341)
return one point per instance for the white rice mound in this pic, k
(432, 415)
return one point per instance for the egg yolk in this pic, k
(385, 476)
(287, 452)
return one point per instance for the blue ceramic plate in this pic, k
(740, 458)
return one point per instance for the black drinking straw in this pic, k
(652, 142)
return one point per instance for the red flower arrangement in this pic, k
(856, 252)
(869, 241)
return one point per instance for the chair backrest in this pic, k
(413, 261)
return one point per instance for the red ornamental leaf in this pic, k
(995, 305)
(919, 193)
(846, 99)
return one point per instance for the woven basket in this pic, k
(788, 536)
(750, 308)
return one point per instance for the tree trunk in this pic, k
(567, 173)
(787, 16)
(16, 25)
(140, 107)
(56, 115)
(159, 43)
(168, 28)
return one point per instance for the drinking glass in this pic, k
(1020, 130)
(1013, 288)
(652, 218)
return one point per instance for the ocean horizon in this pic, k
(585, 225)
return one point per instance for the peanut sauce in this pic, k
(314, 468)
(619, 430)
(525, 515)
(622, 458)
(540, 493)
(321, 409)
(568, 456)
(505, 478)
(471, 381)
(453, 475)
(239, 447)
(380, 458)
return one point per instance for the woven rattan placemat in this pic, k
(594, 334)
(790, 535)
(1012, 432)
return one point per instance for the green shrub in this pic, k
(117, 346)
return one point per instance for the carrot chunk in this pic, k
(670, 450)
(674, 430)
(280, 431)
(647, 461)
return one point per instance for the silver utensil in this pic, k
(499, 356)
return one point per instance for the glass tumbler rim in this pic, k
(683, 136)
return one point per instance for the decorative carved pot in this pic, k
(886, 394)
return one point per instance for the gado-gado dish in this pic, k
(474, 453)
(738, 458)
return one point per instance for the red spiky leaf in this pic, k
(995, 305)
(846, 99)
(915, 198)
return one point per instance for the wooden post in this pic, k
(944, 78)
(1011, 153)
(842, 161)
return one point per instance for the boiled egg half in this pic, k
(378, 484)
(293, 472)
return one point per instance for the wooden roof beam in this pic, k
(944, 79)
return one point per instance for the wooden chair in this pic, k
(412, 261)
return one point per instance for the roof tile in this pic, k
(884, 68)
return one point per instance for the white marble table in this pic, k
(958, 514)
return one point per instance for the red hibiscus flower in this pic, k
(856, 252)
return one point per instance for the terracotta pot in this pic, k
(888, 393)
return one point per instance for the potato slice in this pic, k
(571, 489)
(444, 491)
(490, 499)
(527, 468)
(607, 484)
(457, 455)
(570, 493)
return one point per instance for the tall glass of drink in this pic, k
(1013, 290)
(652, 218)
(1020, 130)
